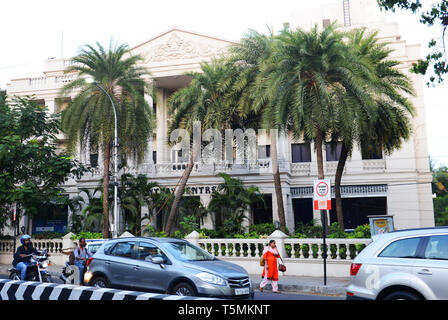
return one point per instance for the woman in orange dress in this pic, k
(270, 270)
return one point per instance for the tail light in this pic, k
(354, 268)
(89, 261)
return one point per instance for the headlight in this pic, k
(45, 264)
(211, 278)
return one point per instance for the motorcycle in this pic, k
(67, 275)
(37, 269)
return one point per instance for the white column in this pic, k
(163, 152)
(283, 150)
(51, 105)
(149, 148)
(289, 212)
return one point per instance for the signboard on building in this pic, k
(381, 224)
(322, 194)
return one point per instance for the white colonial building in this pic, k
(397, 185)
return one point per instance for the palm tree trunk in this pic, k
(179, 192)
(320, 161)
(106, 191)
(337, 185)
(320, 169)
(277, 184)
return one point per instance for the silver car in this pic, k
(93, 246)
(166, 265)
(402, 265)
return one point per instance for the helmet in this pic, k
(24, 237)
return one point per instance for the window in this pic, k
(186, 252)
(154, 108)
(176, 156)
(94, 160)
(123, 249)
(147, 250)
(437, 248)
(406, 248)
(154, 157)
(372, 153)
(333, 151)
(264, 152)
(301, 152)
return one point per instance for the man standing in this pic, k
(23, 255)
(81, 255)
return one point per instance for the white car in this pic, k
(402, 265)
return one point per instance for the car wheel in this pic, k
(13, 276)
(402, 295)
(183, 289)
(100, 282)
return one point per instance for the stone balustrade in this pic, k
(337, 249)
(303, 257)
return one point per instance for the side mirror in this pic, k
(157, 260)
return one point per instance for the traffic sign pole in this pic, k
(322, 202)
(324, 233)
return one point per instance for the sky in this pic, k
(33, 31)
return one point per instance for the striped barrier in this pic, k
(30, 290)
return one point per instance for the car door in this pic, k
(394, 264)
(151, 277)
(432, 269)
(121, 264)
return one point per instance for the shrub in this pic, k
(263, 228)
(361, 232)
(189, 224)
(48, 235)
(156, 234)
(87, 235)
(334, 231)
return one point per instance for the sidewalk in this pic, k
(313, 285)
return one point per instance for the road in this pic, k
(261, 296)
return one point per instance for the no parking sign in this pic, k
(322, 194)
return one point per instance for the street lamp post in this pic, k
(115, 231)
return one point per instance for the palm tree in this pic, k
(133, 194)
(231, 200)
(89, 119)
(246, 57)
(87, 214)
(204, 101)
(304, 80)
(390, 124)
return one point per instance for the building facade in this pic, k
(399, 184)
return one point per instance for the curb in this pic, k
(303, 288)
(338, 290)
(28, 290)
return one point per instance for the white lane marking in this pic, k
(38, 291)
(98, 293)
(146, 296)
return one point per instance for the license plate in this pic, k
(241, 291)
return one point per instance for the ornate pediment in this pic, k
(178, 46)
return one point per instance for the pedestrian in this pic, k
(270, 270)
(23, 254)
(81, 255)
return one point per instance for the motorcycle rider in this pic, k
(23, 254)
(81, 255)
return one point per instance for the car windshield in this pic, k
(186, 252)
